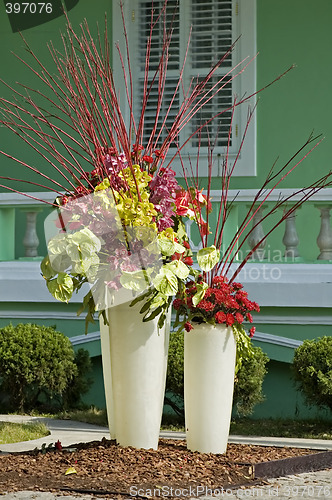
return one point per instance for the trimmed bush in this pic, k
(312, 368)
(80, 384)
(34, 358)
(248, 382)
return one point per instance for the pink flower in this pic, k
(218, 279)
(252, 331)
(220, 317)
(188, 326)
(177, 303)
(229, 319)
(239, 318)
(148, 159)
(206, 305)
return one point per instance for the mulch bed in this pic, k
(110, 470)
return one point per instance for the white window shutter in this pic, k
(173, 65)
(216, 24)
(211, 38)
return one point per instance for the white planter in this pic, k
(209, 368)
(134, 358)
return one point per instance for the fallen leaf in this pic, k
(71, 470)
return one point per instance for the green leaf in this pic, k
(153, 315)
(179, 248)
(85, 236)
(46, 268)
(61, 287)
(87, 266)
(166, 282)
(161, 320)
(208, 257)
(158, 300)
(179, 268)
(141, 297)
(181, 231)
(85, 303)
(61, 262)
(137, 281)
(146, 306)
(244, 347)
(201, 288)
(167, 247)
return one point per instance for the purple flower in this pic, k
(164, 223)
(113, 285)
(163, 191)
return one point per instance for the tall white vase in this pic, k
(134, 358)
(209, 369)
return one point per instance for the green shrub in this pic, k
(248, 381)
(34, 358)
(80, 384)
(312, 368)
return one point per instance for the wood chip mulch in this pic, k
(117, 472)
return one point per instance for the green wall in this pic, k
(12, 70)
(296, 32)
(282, 398)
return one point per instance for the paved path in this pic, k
(313, 485)
(69, 432)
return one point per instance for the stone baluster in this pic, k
(30, 240)
(324, 239)
(257, 234)
(291, 239)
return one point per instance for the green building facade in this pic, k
(295, 294)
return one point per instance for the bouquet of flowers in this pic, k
(122, 233)
(119, 207)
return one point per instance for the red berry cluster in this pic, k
(223, 302)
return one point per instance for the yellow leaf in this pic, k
(71, 470)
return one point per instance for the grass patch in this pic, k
(90, 416)
(15, 433)
(306, 429)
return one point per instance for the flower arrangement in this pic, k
(107, 186)
(214, 297)
(127, 233)
(222, 303)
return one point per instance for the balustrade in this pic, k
(321, 203)
(16, 243)
(24, 244)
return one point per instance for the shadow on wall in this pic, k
(23, 16)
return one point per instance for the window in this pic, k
(216, 24)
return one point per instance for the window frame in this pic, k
(244, 24)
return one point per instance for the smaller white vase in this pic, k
(209, 370)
